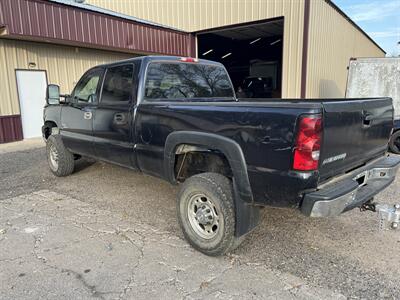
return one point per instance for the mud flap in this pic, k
(247, 215)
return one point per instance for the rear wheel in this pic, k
(60, 159)
(394, 143)
(206, 213)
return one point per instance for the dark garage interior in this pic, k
(252, 54)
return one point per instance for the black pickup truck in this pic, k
(179, 119)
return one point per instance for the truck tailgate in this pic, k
(355, 132)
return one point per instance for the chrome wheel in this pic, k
(203, 216)
(53, 158)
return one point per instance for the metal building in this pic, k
(317, 37)
(56, 42)
(297, 48)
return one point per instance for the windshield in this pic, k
(184, 80)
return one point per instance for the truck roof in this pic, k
(149, 58)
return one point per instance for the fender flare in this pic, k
(231, 149)
(247, 215)
(44, 126)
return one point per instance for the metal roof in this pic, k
(65, 22)
(93, 8)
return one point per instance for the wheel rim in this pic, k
(204, 217)
(53, 157)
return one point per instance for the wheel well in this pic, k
(191, 160)
(48, 125)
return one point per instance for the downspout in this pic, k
(306, 27)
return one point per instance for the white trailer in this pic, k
(377, 77)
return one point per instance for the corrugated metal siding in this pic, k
(10, 128)
(193, 15)
(332, 42)
(65, 24)
(64, 66)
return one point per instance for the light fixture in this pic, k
(209, 51)
(226, 55)
(277, 41)
(255, 41)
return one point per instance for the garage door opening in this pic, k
(252, 54)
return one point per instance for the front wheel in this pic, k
(394, 143)
(206, 213)
(60, 159)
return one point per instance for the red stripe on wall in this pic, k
(54, 22)
(10, 129)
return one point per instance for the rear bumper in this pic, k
(352, 190)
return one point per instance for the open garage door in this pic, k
(252, 54)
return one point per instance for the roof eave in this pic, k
(334, 6)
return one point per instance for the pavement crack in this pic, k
(205, 284)
(131, 279)
(91, 288)
(81, 279)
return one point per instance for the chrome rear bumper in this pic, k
(356, 188)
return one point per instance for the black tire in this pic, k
(65, 159)
(394, 143)
(208, 188)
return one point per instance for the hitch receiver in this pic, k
(388, 215)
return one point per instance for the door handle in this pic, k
(367, 120)
(87, 115)
(119, 117)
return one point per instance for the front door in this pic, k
(32, 98)
(77, 115)
(113, 120)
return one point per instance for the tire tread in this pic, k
(223, 186)
(66, 162)
(392, 147)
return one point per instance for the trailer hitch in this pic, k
(388, 215)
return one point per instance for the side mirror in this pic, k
(53, 94)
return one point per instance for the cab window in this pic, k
(182, 80)
(86, 89)
(118, 84)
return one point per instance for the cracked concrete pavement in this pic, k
(55, 246)
(110, 233)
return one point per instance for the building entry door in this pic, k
(32, 98)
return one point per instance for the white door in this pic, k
(32, 97)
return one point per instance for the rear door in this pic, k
(77, 115)
(113, 120)
(355, 132)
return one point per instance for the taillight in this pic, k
(308, 143)
(189, 59)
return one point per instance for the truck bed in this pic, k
(265, 130)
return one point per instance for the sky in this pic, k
(379, 18)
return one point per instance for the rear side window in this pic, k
(183, 80)
(118, 84)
